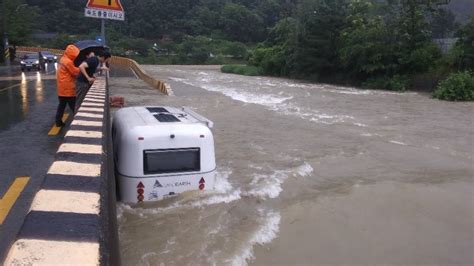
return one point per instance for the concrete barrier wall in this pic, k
(72, 218)
(132, 64)
(115, 60)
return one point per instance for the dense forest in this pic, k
(156, 21)
(375, 43)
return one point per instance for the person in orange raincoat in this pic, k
(66, 81)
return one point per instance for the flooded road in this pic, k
(311, 174)
(28, 102)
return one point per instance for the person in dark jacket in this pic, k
(88, 69)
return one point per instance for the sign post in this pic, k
(102, 31)
(104, 9)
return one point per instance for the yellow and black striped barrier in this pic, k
(7, 54)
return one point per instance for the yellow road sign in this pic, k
(113, 5)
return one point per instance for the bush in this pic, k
(234, 49)
(464, 48)
(242, 70)
(271, 60)
(420, 60)
(396, 83)
(456, 87)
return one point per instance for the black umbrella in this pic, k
(87, 46)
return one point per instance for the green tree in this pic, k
(237, 50)
(194, 50)
(443, 23)
(416, 52)
(240, 24)
(19, 21)
(319, 23)
(283, 33)
(367, 45)
(271, 60)
(464, 47)
(272, 55)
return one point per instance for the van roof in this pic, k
(163, 115)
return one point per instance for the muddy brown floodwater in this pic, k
(311, 174)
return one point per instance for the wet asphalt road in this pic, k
(27, 107)
(28, 103)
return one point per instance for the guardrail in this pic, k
(27, 49)
(115, 60)
(72, 218)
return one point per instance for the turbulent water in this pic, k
(310, 174)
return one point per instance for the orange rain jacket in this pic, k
(67, 72)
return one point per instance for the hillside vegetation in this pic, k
(373, 43)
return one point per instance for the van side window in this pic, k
(171, 161)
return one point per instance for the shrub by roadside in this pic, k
(242, 70)
(396, 83)
(456, 87)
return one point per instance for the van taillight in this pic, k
(202, 183)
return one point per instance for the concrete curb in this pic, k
(72, 217)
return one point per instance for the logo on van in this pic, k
(157, 184)
(153, 195)
(184, 183)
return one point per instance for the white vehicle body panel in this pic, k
(145, 150)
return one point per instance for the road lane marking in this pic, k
(50, 252)
(66, 201)
(72, 168)
(11, 87)
(84, 134)
(92, 104)
(94, 100)
(28, 78)
(86, 123)
(90, 115)
(93, 96)
(25, 81)
(91, 109)
(54, 131)
(10, 197)
(80, 148)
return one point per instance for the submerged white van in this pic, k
(161, 151)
